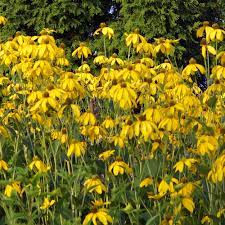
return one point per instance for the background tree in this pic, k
(71, 19)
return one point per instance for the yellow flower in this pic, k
(47, 203)
(129, 73)
(99, 203)
(95, 133)
(165, 46)
(153, 114)
(215, 33)
(188, 204)
(3, 132)
(69, 104)
(192, 68)
(169, 124)
(143, 127)
(123, 94)
(100, 59)
(77, 148)
(134, 38)
(87, 118)
(145, 47)
(166, 186)
(220, 213)
(207, 48)
(204, 28)
(108, 123)
(3, 20)
(106, 154)
(119, 167)
(218, 72)
(179, 166)
(157, 196)
(98, 216)
(106, 31)
(44, 103)
(169, 221)
(118, 141)
(206, 219)
(62, 135)
(39, 165)
(207, 145)
(33, 96)
(71, 83)
(3, 165)
(14, 186)
(115, 60)
(82, 51)
(47, 31)
(217, 173)
(146, 182)
(95, 184)
(221, 57)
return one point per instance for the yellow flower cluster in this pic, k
(136, 131)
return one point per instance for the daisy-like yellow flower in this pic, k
(87, 118)
(206, 220)
(221, 57)
(134, 38)
(118, 140)
(47, 31)
(153, 114)
(106, 154)
(207, 48)
(47, 203)
(45, 103)
(37, 164)
(95, 185)
(3, 165)
(188, 203)
(207, 145)
(165, 46)
(115, 60)
(124, 94)
(69, 82)
(146, 182)
(143, 127)
(106, 31)
(192, 68)
(100, 59)
(3, 20)
(119, 167)
(14, 186)
(62, 135)
(145, 47)
(179, 166)
(166, 186)
(108, 123)
(82, 50)
(218, 72)
(215, 34)
(77, 148)
(205, 28)
(169, 123)
(97, 216)
(217, 173)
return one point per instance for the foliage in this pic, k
(71, 19)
